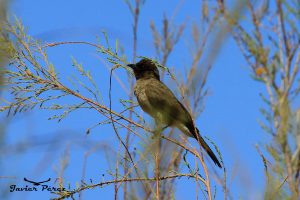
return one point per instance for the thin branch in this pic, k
(71, 193)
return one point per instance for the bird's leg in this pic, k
(163, 128)
(160, 127)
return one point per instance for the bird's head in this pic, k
(145, 68)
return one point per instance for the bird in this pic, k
(36, 183)
(156, 99)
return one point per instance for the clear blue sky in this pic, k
(230, 117)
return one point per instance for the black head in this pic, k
(145, 68)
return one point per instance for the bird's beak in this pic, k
(132, 66)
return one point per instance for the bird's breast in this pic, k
(140, 93)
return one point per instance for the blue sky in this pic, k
(230, 117)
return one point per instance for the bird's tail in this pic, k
(208, 149)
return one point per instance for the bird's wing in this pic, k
(164, 101)
(45, 181)
(25, 179)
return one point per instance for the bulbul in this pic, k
(156, 99)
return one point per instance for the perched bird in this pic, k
(156, 99)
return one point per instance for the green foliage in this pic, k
(33, 81)
(271, 49)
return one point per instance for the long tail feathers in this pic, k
(208, 150)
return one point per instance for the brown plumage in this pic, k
(156, 99)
